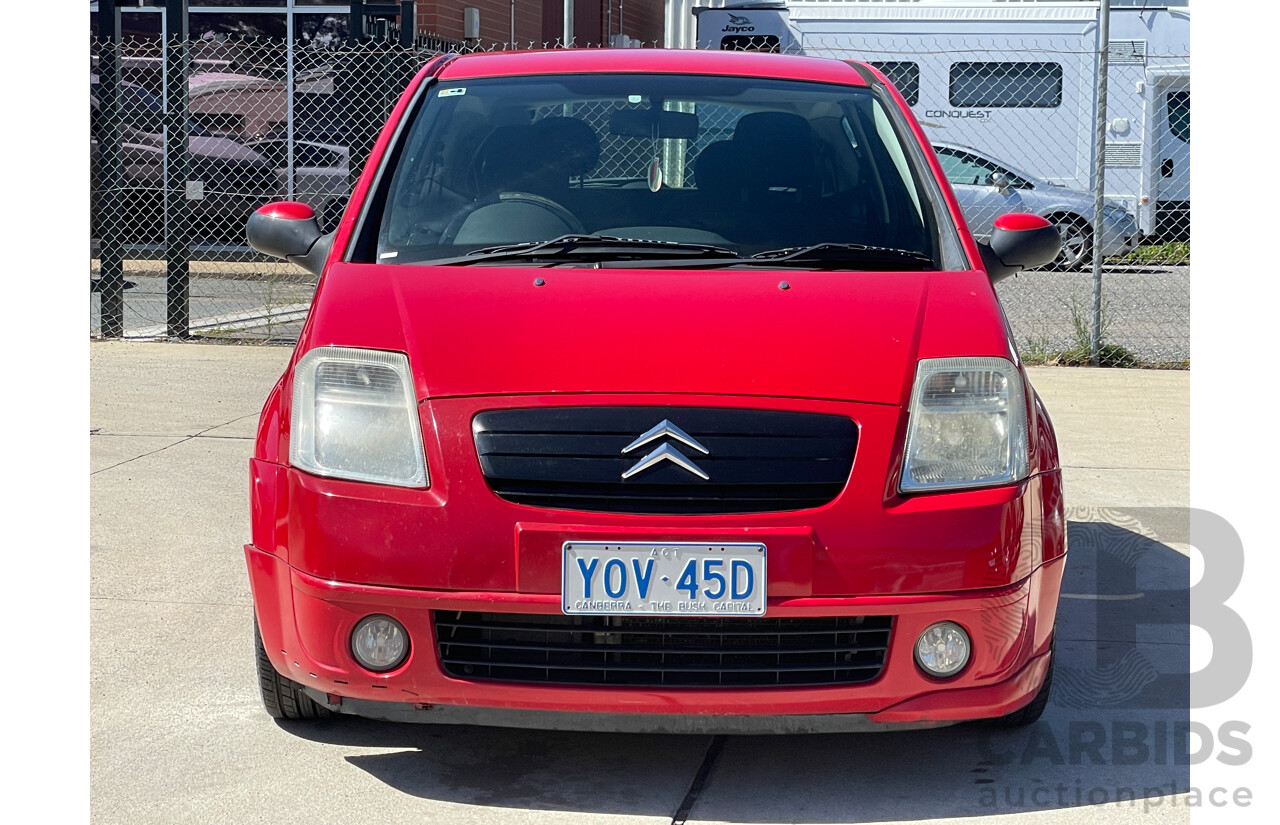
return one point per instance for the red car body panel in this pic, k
(312, 619)
(653, 61)
(751, 338)
(326, 552)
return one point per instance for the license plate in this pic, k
(634, 578)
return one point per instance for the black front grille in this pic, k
(757, 461)
(671, 651)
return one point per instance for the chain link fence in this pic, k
(259, 129)
(1013, 125)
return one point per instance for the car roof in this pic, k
(652, 61)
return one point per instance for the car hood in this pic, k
(1057, 194)
(487, 330)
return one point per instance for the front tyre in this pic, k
(283, 698)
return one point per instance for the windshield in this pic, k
(742, 164)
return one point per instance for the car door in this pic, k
(980, 200)
(1175, 146)
(1174, 192)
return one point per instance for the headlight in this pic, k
(355, 416)
(967, 425)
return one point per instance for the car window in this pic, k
(142, 110)
(304, 154)
(884, 130)
(749, 164)
(1005, 85)
(905, 75)
(964, 169)
(308, 154)
(272, 150)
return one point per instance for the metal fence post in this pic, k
(355, 26)
(408, 23)
(177, 151)
(1099, 183)
(110, 187)
(290, 89)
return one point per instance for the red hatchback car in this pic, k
(655, 390)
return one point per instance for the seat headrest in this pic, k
(569, 143)
(780, 151)
(538, 158)
(502, 163)
(716, 169)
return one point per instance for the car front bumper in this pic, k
(306, 624)
(1119, 237)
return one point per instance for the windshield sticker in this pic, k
(655, 175)
(388, 255)
(454, 92)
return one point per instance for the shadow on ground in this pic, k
(1118, 716)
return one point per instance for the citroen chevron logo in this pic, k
(665, 429)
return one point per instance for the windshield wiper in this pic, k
(590, 248)
(840, 255)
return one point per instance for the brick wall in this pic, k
(444, 18)
(541, 21)
(594, 20)
(641, 19)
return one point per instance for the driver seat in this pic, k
(521, 174)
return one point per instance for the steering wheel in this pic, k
(544, 207)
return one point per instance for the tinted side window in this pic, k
(751, 43)
(905, 75)
(1006, 85)
(305, 154)
(142, 110)
(964, 169)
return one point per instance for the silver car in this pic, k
(987, 188)
(321, 176)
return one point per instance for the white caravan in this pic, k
(1015, 80)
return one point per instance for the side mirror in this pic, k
(288, 229)
(1019, 241)
(999, 181)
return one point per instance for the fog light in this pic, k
(942, 649)
(379, 643)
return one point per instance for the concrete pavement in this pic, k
(178, 733)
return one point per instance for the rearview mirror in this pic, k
(999, 181)
(1019, 241)
(653, 123)
(288, 229)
